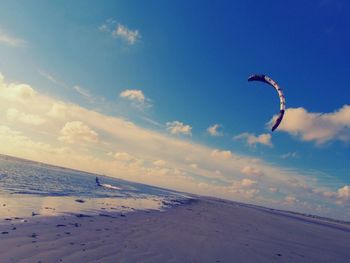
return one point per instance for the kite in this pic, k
(268, 80)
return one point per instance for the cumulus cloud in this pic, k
(58, 110)
(177, 127)
(159, 162)
(214, 130)
(13, 114)
(244, 189)
(17, 144)
(118, 30)
(247, 182)
(128, 35)
(14, 91)
(317, 127)
(251, 139)
(251, 171)
(133, 95)
(12, 41)
(123, 156)
(221, 154)
(77, 132)
(138, 100)
(344, 192)
(340, 196)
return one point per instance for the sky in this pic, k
(157, 92)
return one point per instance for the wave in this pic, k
(111, 187)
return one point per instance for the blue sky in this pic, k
(185, 66)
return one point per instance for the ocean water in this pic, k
(29, 189)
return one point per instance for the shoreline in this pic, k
(201, 230)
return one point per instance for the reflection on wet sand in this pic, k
(21, 206)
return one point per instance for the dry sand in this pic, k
(205, 230)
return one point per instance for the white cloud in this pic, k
(221, 154)
(103, 27)
(15, 92)
(317, 127)
(138, 99)
(344, 192)
(251, 139)
(124, 156)
(13, 114)
(58, 110)
(251, 171)
(47, 76)
(50, 78)
(77, 132)
(17, 144)
(340, 196)
(133, 95)
(159, 163)
(247, 182)
(214, 130)
(107, 25)
(117, 30)
(153, 122)
(12, 41)
(289, 155)
(122, 32)
(177, 127)
(84, 92)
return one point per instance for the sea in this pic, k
(29, 188)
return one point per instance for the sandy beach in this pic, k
(203, 230)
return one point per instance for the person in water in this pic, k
(97, 182)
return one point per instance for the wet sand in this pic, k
(204, 230)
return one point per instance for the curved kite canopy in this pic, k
(266, 79)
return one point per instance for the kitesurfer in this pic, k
(98, 182)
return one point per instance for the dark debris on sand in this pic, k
(82, 215)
